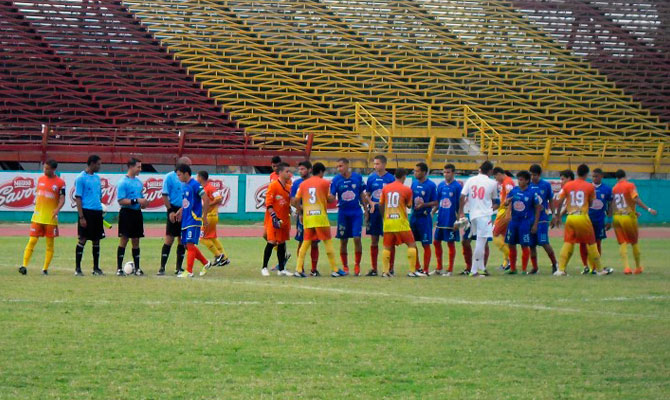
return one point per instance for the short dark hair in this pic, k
(508, 173)
(184, 169)
(583, 170)
(203, 174)
(486, 167)
(598, 171)
(535, 169)
(343, 160)
(318, 168)
(52, 163)
(568, 174)
(381, 158)
(523, 174)
(620, 174)
(275, 160)
(92, 159)
(452, 167)
(282, 166)
(400, 173)
(132, 162)
(305, 164)
(498, 170)
(422, 166)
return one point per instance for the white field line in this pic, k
(161, 302)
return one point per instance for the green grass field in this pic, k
(235, 334)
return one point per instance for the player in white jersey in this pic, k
(478, 195)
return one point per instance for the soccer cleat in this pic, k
(45, 272)
(218, 260)
(554, 268)
(338, 273)
(372, 272)
(533, 271)
(606, 271)
(464, 272)
(77, 272)
(160, 272)
(638, 270)
(265, 272)
(417, 274)
(98, 272)
(511, 272)
(119, 272)
(477, 275)
(447, 274)
(205, 268)
(524, 273)
(224, 262)
(23, 270)
(627, 271)
(284, 272)
(315, 273)
(559, 273)
(346, 269)
(386, 275)
(178, 271)
(297, 274)
(504, 267)
(357, 270)
(139, 272)
(485, 272)
(185, 274)
(276, 267)
(436, 272)
(392, 272)
(586, 271)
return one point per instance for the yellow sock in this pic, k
(49, 255)
(306, 244)
(219, 247)
(594, 257)
(499, 241)
(564, 257)
(330, 252)
(623, 252)
(386, 260)
(636, 255)
(28, 252)
(209, 243)
(411, 257)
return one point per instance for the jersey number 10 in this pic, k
(393, 199)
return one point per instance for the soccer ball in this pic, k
(129, 268)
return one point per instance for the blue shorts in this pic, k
(190, 235)
(542, 236)
(447, 235)
(518, 232)
(422, 229)
(375, 224)
(349, 225)
(599, 229)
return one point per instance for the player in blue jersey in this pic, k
(599, 214)
(526, 207)
(172, 198)
(349, 190)
(194, 201)
(424, 194)
(305, 171)
(543, 188)
(448, 197)
(373, 217)
(131, 221)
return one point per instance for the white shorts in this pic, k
(481, 227)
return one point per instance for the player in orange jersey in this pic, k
(578, 195)
(394, 201)
(208, 235)
(278, 219)
(624, 200)
(503, 217)
(49, 199)
(312, 200)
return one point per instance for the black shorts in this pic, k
(94, 229)
(173, 228)
(131, 223)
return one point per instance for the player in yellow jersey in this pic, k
(312, 200)
(49, 199)
(395, 199)
(208, 235)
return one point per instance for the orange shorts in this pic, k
(280, 235)
(500, 225)
(319, 233)
(578, 229)
(625, 228)
(210, 231)
(397, 238)
(41, 230)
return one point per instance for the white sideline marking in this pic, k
(160, 302)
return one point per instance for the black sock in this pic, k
(136, 258)
(165, 254)
(96, 256)
(78, 254)
(281, 255)
(267, 254)
(181, 250)
(120, 253)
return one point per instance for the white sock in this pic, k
(478, 256)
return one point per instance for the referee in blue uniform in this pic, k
(131, 222)
(88, 195)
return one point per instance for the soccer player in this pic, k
(349, 190)
(49, 199)
(394, 201)
(131, 222)
(209, 236)
(479, 193)
(624, 200)
(305, 171)
(312, 200)
(278, 219)
(373, 217)
(87, 195)
(190, 215)
(599, 214)
(505, 185)
(526, 206)
(448, 199)
(274, 162)
(173, 195)
(578, 196)
(543, 188)
(424, 193)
